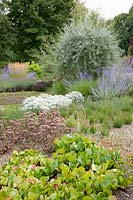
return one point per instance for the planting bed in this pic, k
(15, 98)
(118, 139)
(33, 131)
(37, 86)
(39, 131)
(78, 169)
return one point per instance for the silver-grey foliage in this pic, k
(88, 46)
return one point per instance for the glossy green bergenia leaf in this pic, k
(78, 169)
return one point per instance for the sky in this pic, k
(109, 8)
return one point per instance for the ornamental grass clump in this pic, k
(78, 169)
(18, 70)
(15, 77)
(83, 86)
(46, 102)
(33, 131)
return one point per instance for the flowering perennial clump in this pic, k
(46, 102)
(116, 80)
(75, 96)
(33, 131)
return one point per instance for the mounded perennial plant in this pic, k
(115, 81)
(33, 131)
(77, 170)
(46, 102)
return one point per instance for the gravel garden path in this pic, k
(120, 139)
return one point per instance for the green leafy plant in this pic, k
(11, 112)
(34, 67)
(83, 86)
(78, 169)
(118, 121)
(120, 23)
(71, 122)
(121, 119)
(92, 129)
(58, 87)
(14, 85)
(100, 114)
(28, 40)
(127, 118)
(105, 130)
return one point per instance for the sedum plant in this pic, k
(77, 170)
(33, 131)
(88, 46)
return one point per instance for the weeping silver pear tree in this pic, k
(88, 46)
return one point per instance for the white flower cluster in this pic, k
(75, 96)
(46, 102)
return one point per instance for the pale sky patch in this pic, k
(109, 8)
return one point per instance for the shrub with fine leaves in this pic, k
(89, 46)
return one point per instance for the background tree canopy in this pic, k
(7, 40)
(123, 26)
(34, 22)
(79, 11)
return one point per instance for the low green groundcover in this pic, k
(77, 170)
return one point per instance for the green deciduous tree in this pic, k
(35, 22)
(7, 39)
(123, 25)
(79, 11)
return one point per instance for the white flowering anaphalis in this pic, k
(46, 102)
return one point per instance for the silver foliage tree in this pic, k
(87, 46)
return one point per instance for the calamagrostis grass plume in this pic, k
(18, 69)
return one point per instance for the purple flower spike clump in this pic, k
(31, 75)
(115, 81)
(85, 76)
(6, 70)
(5, 73)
